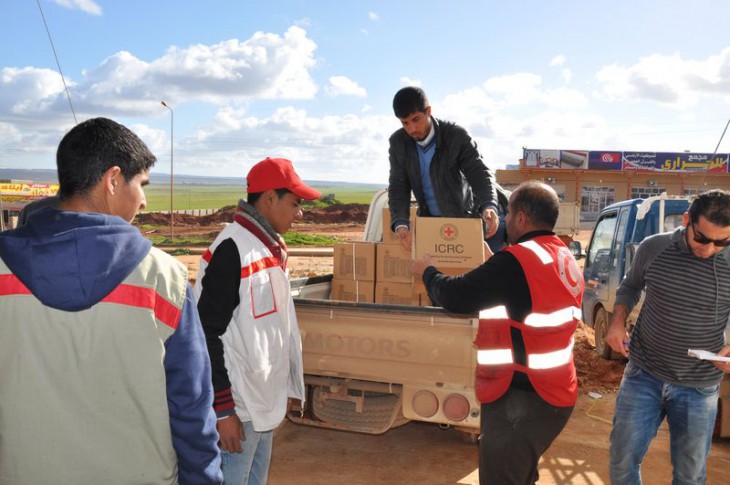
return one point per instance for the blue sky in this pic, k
(313, 80)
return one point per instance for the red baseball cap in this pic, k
(278, 173)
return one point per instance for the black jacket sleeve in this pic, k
(499, 281)
(218, 300)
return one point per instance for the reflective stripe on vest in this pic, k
(539, 251)
(546, 360)
(494, 357)
(551, 360)
(554, 319)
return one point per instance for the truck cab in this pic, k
(616, 235)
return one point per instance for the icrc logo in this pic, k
(449, 232)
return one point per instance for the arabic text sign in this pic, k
(38, 190)
(675, 162)
(15, 196)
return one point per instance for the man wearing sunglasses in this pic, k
(686, 275)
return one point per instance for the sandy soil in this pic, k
(426, 454)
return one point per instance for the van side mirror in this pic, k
(576, 249)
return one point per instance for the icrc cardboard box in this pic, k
(388, 235)
(394, 293)
(392, 263)
(354, 261)
(451, 242)
(419, 289)
(351, 290)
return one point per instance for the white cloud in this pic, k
(265, 66)
(567, 74)
(343, 86)
(406, 81)
(373, 16)
(558, 60)
(325, 148)
(669, 80)
(88, 6)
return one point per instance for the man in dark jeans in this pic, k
(528, 296)
(439, 162)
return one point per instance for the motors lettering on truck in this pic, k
(335, 343)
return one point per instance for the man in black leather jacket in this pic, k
(440, 163)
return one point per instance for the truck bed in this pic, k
(423, 356)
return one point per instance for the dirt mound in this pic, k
(337, 214)
(595, 374)
(333, 214)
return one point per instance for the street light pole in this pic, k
(172, 120)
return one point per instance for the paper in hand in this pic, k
(706, 355)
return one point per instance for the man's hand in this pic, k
(487, 251)
(723, 366)
(492, 219)
(405, 237)
(231, 434)
(617, 337)
(419, 266)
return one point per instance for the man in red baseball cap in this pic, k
(247, 312)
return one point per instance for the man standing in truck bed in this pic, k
(529, 296)
(686, 274)
(248, 317)
(440, 163)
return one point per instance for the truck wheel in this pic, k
(380, 412)
(600, 327)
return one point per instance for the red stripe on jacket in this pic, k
(259, 265)
(123, 294)
(140, 297)
(11, 285)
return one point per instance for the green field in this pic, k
(215, 196)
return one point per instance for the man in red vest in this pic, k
(528, 296)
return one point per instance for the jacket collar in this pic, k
(248, 217)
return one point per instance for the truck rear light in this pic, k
(425, 403)
(456, 407)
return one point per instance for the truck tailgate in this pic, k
(387, 343)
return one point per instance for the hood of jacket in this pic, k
(71, 260)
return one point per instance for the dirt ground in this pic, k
(426, 454)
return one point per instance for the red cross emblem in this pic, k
(449, 232)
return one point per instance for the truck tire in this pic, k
(600, 327)
(380, 411)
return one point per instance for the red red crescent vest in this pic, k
(556, 288)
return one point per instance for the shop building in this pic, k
(596, 179)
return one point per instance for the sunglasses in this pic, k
(702, 239)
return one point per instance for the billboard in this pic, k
(16, 195)
(675, 162)
(632, 161)
(555, 158)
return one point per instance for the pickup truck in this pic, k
(616, 235)
(369, 367)
(568, 223)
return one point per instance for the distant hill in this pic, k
(45, 176)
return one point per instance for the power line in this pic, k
(63, 78)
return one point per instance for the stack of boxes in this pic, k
(381, 272)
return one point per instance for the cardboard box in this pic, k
(394, 293)
(420, 289)
(351, 290)
(388, 235)
(451, 242)
(393, 263)
(354, 261)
